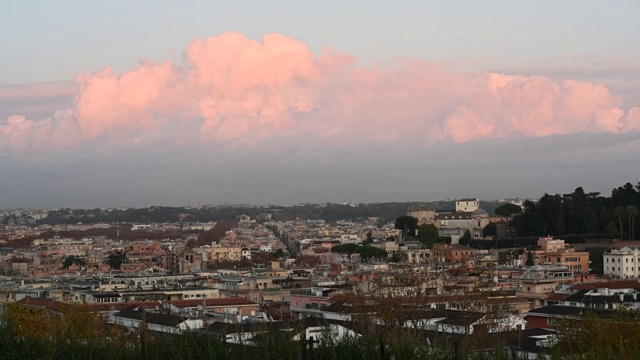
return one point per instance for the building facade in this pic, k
(623, 263)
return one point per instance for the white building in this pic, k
(623, 263)
(467, 205)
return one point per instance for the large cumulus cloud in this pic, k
(232, 91)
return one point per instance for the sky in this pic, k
(139, 103)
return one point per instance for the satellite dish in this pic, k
(253, 313)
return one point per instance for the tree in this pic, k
(466, 237)
(71, 260)
(444, 240)
(407, 224)
(279, 253)
(620, 213)
(631, 212)
(369, 239)
(262, 258)
(601, 335)
(116, 258)
(561, 224)
(366, 252)
(307, 261)
(508, 211)
(530, 261)
(590, 220)
(348, 249)
(371, 252)
(399, 256)
(427, 234)
(490, 230)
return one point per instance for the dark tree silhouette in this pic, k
(116, 258)
(407, 224)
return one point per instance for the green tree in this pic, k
(620, 213)
(116, 258)
(445, 240)
(631, 212)
(399, 256)
(369, 239)
(407, 224)
(348, 249)
(71, 260)
(508, 211)
(490, 230)
(561, 224)
(590, 220)
(530, 261)
(427, 234)
(371, 252)
(466, 237)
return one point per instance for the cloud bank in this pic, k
(233, 92)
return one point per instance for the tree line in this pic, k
(581, 213)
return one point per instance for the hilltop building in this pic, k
(468, 216)
(467, 205)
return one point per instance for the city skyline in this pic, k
(138, 104)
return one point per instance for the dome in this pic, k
(480, 212)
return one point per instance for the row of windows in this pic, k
(186, 296)
(625, 260)
(626, 269)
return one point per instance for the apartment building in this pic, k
(623, 263)
(557, 253)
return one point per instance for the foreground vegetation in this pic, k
(75, 332)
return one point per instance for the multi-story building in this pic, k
(623, 263)
(555, 252)
(223, 253)
(424, 214)
(453, 254)
(467, 205)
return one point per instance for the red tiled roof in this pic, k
(556, 297)
(41, 303)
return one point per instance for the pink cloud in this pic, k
(236, 91)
